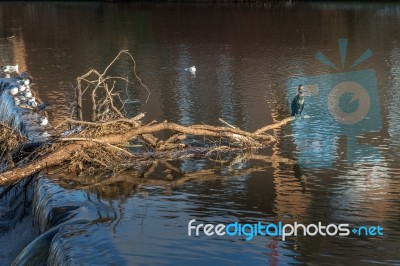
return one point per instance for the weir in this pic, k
(20, 109)
(40, 222)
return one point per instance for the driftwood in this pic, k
(109, 140)
(69, 145)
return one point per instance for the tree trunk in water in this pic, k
(65, 152)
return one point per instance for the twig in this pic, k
(273, 126)
(134, 120)
(134, 72)
(226, 123)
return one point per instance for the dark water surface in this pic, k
(244, 55)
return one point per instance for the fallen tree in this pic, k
(72, 148)
(110, 140)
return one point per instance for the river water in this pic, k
(249, 60)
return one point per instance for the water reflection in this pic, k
(185, 86)
(140, 199)
(225, 88)
(394, 114)
(244, 56)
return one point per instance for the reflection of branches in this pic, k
(158, 173)
(299, 174)
(264, 158)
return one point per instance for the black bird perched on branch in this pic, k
(298, 102)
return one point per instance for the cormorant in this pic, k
(298, 102)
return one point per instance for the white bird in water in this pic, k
(191, 69)
(14, 90)
(27, 81)
(22, 88)
(28, 94)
